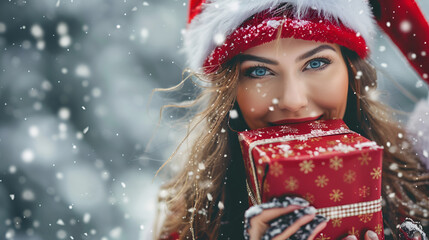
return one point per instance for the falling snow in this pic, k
(76, 117)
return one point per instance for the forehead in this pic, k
(288, 47)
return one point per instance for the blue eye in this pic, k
(258, 72)
(316, 64)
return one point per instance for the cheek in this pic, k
(331, 92)
(253, 100)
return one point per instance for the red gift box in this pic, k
(337, 170)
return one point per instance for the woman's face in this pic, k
(290, 81)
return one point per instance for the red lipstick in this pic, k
(296, 120)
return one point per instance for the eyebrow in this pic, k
(249, 57)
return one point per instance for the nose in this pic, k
(293, 96)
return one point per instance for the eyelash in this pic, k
(327, 61)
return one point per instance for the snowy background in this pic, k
(75, 117)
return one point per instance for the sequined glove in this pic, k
(281, 223)
(410, 230)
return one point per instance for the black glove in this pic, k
(410, 230)
(278, 225)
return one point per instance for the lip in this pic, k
(295, 120)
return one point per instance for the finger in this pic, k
(370, 235)
(350, 237)
(269, 215)
(260, 223)
(306, 231)
(318, 229)
(288, 224)
(275, 203)
(266, 212)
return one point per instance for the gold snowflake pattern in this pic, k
(378, 229)
(365, 217)
(321, 181)
(364, 191)
(348, 139)
(291, 184)
(306, 166)
(350, 176)
(309, 197)
(336, 163)
(266, 149)
(315, 139)
(376, 173)
(260, 170)
(354, 231)
(301, 146)
(336, 195)
(337, 222)
(364, 159)
(264, 159)
(331, 143)
(266, 187)
(276, 169)
(322, 237)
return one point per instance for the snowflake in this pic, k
(336, 195)
(378, 229)
(354, 231)
(364, 191)
(349, 176)
(306, 166)
(365, 217)
(288, 129)
(337, 222)
(317, 125)
(331, 143)
(284, 147)
(336, 163)
(309, 197)
(276, 169)
(322, 181)
(364, 159)
(251, 134)
(291, 184)
(273, 23)
(376, 173)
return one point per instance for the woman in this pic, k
(276, 62)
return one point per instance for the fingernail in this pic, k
(372, 235)
(351, 237)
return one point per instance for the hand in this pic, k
(288, 217)
(369, 235)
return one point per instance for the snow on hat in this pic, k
(218, 30)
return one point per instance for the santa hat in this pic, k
(218, 30)
(404, 23)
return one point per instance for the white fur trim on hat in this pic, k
(418, 128)
(219, 18)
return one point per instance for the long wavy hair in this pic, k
(208, 197)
